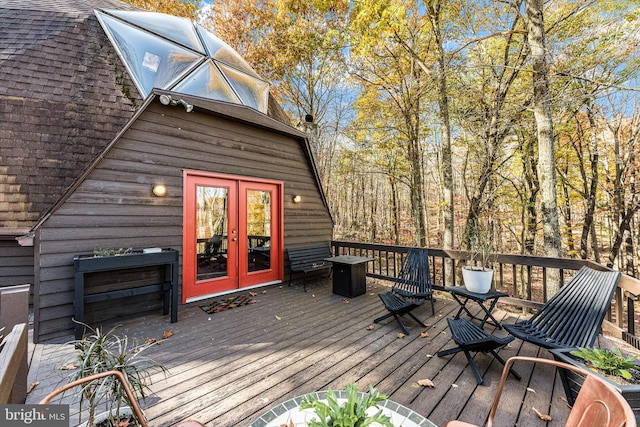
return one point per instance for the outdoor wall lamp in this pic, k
(167, 100)
(159, 190)
(297, 198)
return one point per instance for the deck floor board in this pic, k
(227, 368)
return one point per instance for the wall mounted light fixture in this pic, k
(159, 190)
(167, 100)
(297, 198)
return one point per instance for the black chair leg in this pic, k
(380, 319)
(417, 320)
(501, 360)
(404, 328)
(449, 351)
(474, 368)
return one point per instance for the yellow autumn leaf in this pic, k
(167, 334)
(400, 335)
(425, 334)
(370, 328)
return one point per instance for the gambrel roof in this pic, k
(64, 95)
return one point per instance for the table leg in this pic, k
(488, 314)
(463, 307)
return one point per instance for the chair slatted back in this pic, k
(598, 404)
(414, 278)
(574, 314)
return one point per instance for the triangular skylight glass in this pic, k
(152, 61)
(220, 51)
(168, 52)
(207, 82)
(174, 28)
(253, 92)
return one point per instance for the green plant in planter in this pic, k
(102, 352)
(351, 413)
(479, 243)
(611, 362)
(111, 252)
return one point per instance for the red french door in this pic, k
(231, 234)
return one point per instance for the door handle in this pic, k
(234, 239)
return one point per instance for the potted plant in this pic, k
(478, 276)
(100, 352)
(621, 371)
(353, 412)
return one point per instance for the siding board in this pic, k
(16, 267)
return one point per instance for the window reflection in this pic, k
(259, 229)
(211, 231)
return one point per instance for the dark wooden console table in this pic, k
(85, 264)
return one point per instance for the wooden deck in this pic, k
(226, 369)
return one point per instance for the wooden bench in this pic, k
(470, 337)
(308, 259)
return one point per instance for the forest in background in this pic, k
(432, 116)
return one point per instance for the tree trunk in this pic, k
(546, 151)
(433, 11)
(568, 220)
(624, 227)
(394, 209)
(593, 188)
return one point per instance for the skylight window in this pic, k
(172, 53)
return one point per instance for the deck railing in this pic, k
(524, 278)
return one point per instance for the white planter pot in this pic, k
(476, 279)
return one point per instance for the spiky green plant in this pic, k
(351, 413)
(101, 352)
(611, 362)
(100, 252)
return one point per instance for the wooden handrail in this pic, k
(512, 273)
(11, 358)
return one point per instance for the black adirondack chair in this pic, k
(410, 290)
(573, 316)
(471, 337)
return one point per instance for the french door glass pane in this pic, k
(259, 229)
(211, 231)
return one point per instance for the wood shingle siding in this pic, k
(113, 207)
